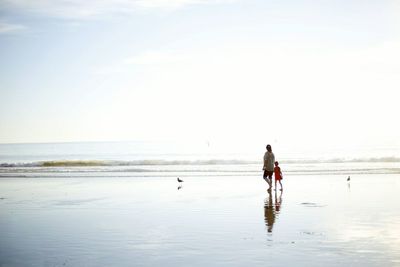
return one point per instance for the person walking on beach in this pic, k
(269, 159)
(278, 175)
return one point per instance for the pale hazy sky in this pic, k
(310, 72)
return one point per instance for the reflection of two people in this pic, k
(271, 209)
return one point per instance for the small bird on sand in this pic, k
(179, 180)
(348, 179)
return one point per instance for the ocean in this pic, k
(166, 159)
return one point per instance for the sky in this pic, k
(300, 73)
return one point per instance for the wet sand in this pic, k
(221, 221)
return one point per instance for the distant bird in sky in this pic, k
(179, 180)
(348, 179)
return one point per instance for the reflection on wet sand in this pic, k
(272, 209)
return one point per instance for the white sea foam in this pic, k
(162, 168)
(144, 159)
(161, 162)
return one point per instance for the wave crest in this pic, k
(156, 162)
(98, 163)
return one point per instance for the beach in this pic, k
(317, 220)
(136, 133)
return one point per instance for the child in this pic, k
(278, 174)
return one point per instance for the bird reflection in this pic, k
(348, 183)
(180, 181)
(272, 209)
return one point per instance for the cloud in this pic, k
(174, 3)
(77, 9)
(10, 28)
(155, 58)
(150, 58)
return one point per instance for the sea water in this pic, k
(141, 159)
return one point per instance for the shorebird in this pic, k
(179, 180)
(348, 179)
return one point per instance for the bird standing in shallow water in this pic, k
(179, 180)
(348, 179)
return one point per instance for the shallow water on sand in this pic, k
(150, 221)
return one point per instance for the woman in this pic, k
(269, 160)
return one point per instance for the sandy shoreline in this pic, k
(318, 220)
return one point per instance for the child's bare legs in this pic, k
(275, 184)
(280, 184)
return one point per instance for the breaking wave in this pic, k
(212, 167)
(99, 163)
